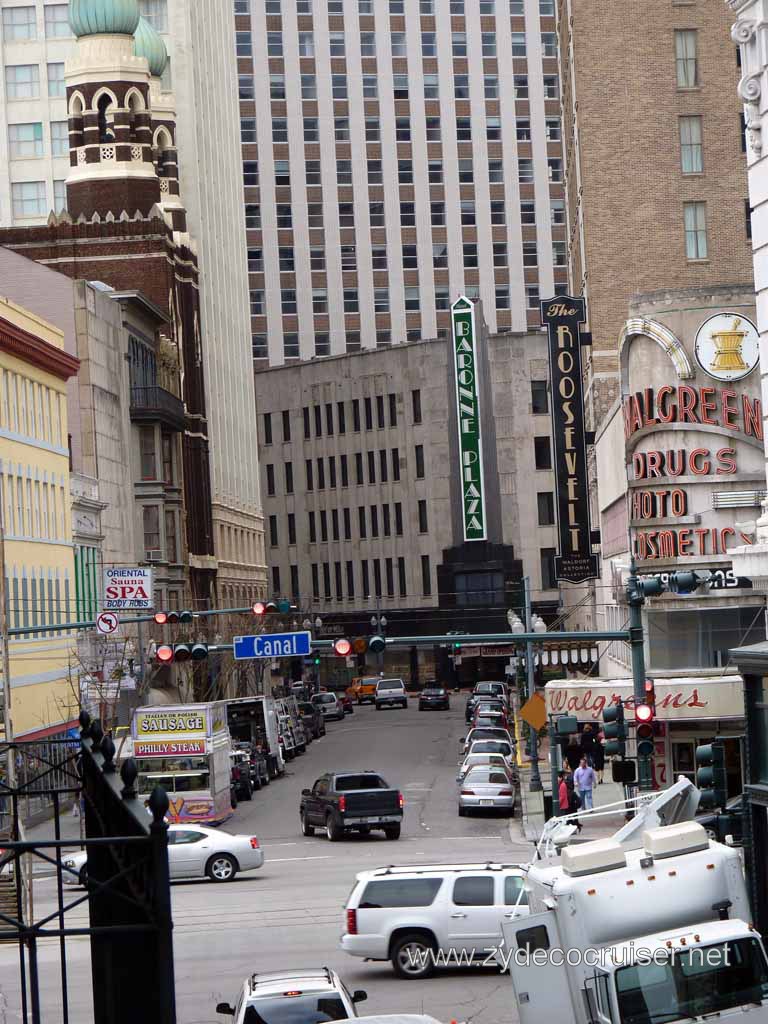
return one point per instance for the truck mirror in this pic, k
(359, 995)
(225, 1008)
(306, 792)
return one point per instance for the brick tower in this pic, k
(126, 224)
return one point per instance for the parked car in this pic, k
(194, 851)
(329, 705)
(485, 690)
(730, 822)
(493, 747)
(434, 697)
(351, 802)
(363, 689)
(241, 774)
(312, 716)
(346, 702)
(489, 760)
(390, 693)
(486, 788)
(307, 996)
(405, 914)
(488, 732)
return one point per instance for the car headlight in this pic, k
(69, 863)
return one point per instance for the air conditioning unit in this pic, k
(153, 556)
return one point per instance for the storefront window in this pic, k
(174, 774)
(702, 638)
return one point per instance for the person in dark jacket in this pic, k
(588, 744)
(573, 752)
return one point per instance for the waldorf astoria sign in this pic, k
(563, 316)
(468, 419)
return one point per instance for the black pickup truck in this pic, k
(351, 801)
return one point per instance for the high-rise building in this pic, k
(397, 153)
(35, 41)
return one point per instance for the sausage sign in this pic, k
(128, 589)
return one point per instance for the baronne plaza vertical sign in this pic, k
(468, 419)
(563, 316)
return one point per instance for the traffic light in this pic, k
(342, 647)
(171, 618)
(684, 582)
(376, 644)
(167, 653)
(614, 730)
(644, 715)
(258, 608)
(710, 774)
(360, 644)
(650, 694)
(273, 607)
(164, 654)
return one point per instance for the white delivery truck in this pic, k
(647, 935)
(254, 720)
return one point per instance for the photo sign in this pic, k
(468, 413)
(562, 316)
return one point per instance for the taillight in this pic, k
(467, 792)
(401, 800)
(342, 803)
(351, 922)
(254, 843)
(505, 792)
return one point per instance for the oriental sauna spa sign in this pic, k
(694, 450)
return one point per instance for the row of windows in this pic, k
(31, 409)
(22, 81)
(21, 22)
(412, 294)
(461, 88)
(37, 597)
(337, 525)
(25, 141)
(30, 198)
(339, 581)
(335, 421)
(398, 44)
(34, 508)
(398, 7)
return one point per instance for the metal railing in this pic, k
(155, 402)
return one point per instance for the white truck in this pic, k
(650, 931)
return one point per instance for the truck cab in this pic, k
(648, 936)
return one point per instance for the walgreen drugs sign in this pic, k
(468, 413)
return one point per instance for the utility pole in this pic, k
(635, 600)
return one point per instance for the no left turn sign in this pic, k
(107, 623)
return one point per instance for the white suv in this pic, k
(390, 692)
(285, 997)
(424, 916)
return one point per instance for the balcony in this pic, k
(155, 404)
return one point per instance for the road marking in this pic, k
(278, 860)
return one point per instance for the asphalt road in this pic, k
(290, 913)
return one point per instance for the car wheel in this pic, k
(82, 877)
(221, 868)
(333, 830)
(360, 703)
(364, 830)
(712, 834)
(392, 831)
(412, 956)
(306, 828)
(248, 792)
(302, 748)
(233, 799)
(266, 780)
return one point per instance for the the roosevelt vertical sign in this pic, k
(468, 412)
(562, 316)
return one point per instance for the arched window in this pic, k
(106, 118)
(135, 104)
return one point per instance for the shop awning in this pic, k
(680, 698)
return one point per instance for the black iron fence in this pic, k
(124, 883)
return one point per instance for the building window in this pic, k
(350, 579)
(686, 63)
(691, 154)
(426, 576)
(371, 467)
(370, 87)
(542, 453)
(419, 451)
(317, 259)
(530, 254)
(532, 298)
(557, 211)
(309, 468)
(559, 254)
(273, 531)
(545, 501)
(318, 421)
(548, 44)
(259, 346)
(695, 219)
(498, 211)
(398, 519)
(327, 580)
(433, 129)
(26, 140)
(374, 521)
(488, 43)
(147, 453)
(361, 522)
(422, 516)
(274, 44)
(270, 471)
(243, 44)
(21, 23)
(539, 397)
(322, 344)
(548, 579)
(252, 216)
(56, 86)
(258, 306)
(366, 579)
(555, 169)
(383, 465)
(255, 261)
(500, 256)
(320, 474)
(312, 134)
(267, 420)
(347, 524)
(459, 44)
(331, 471)
(305, 416)
(295, 594)
(324, 526)
(29, 198)
(502, 297)
(547, 8)
(479, 588)
(344, 470)
(156, 13)
(428, 44)
(289, 478)
(518, 44)
(551, 87)
(306, 44)
(407, 214)
(312, 528)
(525, 170)
(359, 479)
(339, 90)
(282, 172)
(151, 525)
(315, 582)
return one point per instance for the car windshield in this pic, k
(487, 734)
(693, 983)
(492, 778)
(304, 1008)
(487, 759)
(347, 783)
(492, 747)
(391, 684)
(325, 698)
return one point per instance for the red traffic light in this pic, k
(161, 618)
(259, 608)
(164, 654)
(643, 713)
(342, 647)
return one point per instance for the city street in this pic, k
(290, 913)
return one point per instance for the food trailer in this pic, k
(185, 749)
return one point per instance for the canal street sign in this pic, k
(273, 645)
(468, 412)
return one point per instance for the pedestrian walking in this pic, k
(584, 780)
(599, 764)
(574, 803)
(573, 752)
(563, 797)
(588, 744)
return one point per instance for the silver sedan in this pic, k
(485, 788)
(194, 851)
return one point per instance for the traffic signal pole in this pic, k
(636, 599)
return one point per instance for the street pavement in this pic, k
(290, 914)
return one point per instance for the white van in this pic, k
(423, 916)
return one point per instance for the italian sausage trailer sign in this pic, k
(128, 589)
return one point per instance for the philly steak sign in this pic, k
(562, 316)
(468, 412)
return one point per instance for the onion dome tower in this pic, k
(110, 124)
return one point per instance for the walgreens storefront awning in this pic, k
(678, 699)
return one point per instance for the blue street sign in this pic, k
(273, 645)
